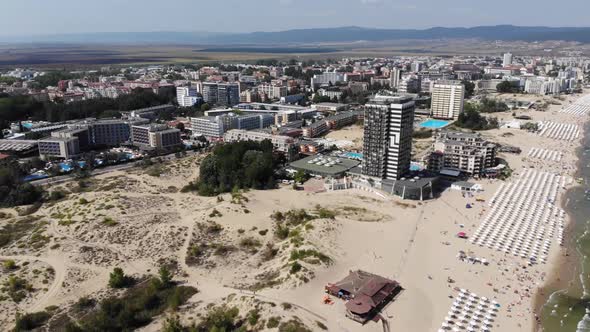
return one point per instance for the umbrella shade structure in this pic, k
(462, 235)
(523, 215)
(465, 314)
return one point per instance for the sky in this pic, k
(39, 17)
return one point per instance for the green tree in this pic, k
(31, 321)
(469, 88)
(118, 279)
(205, 107)
(300, 176)
(240, 165)
(506, 87)
(165, 276)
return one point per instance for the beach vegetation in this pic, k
(321, 325)
(85, 303)
(304, 254)
(324, 213)
(165, 276)
(486, 105)
(215, 213)
(269, 252)
(108, 221)
(295, 267)
(118, 279)
(273, 322)
(250, 244)
(253, 317)
(221, 318)
(136, 308)
(214, 228)
(31, 321)
(9, 264)
(472, 119)
(222, 249)
(530, 126)
(282, 231)
(293, 325)
(13, 190)
(14, 231)
(155, 171)
(172, 324)
(240, 165)
(57, 195)
(17, 288)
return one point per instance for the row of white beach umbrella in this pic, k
(545, 154)
(523, 218)
(559, 131)
(579, 108)
(470, 312)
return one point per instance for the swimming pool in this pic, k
(434, 124)
(65, 167)
(416, 167)
(353, 155)
(68, 167)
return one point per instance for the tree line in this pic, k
(19, 108)
(239, 165)
(13, 191)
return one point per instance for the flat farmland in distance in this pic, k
(94, 55)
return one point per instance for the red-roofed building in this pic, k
(366, 293)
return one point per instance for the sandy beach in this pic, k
(220, 245)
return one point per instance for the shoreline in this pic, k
(565, 268)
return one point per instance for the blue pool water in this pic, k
(434, 124)
(416, 167)
(354, 155)
(65, 167)
(28, 125)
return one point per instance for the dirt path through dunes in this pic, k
(59, 267)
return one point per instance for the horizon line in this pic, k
(292, 29)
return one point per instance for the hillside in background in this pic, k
(299, 36)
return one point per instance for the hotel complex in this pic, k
(388, 136)
(447, 100)
(464, 152)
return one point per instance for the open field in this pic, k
(75, 56)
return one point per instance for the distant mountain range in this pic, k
(321, 35)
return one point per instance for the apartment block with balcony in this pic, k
(465, 152)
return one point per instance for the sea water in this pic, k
(565, 309)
